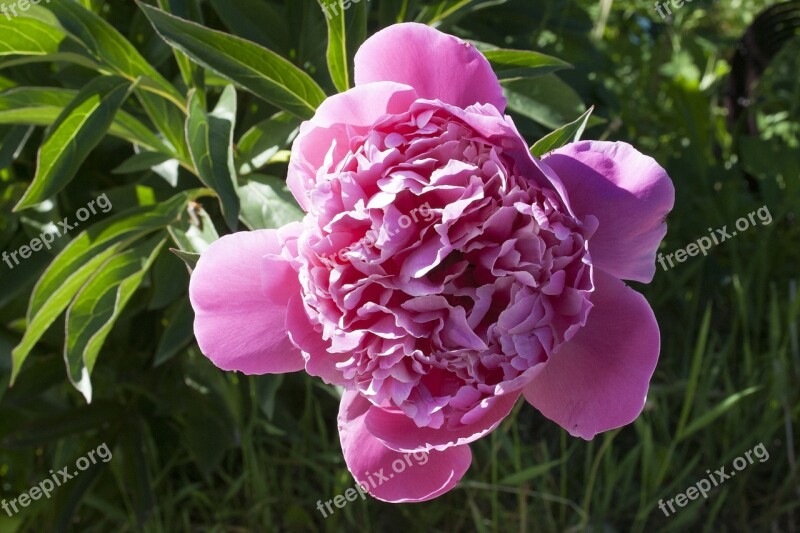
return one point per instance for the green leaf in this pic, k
(21, 278)
(5, 363)
(436, 12)
(267, 388)
(56, 426)
(95, 309)
(210, 140)
(58, 300)
(768, 159)
(170, 122)
(34, 106)
(267, 202)
(79, 128)
(66, 503)
(192, 74)
(28, 36)
(177, 334)
(42, 374)
(356, 31)
(257, 69)
(522, 63)
(547, 99)
(134, 473)
(720, 409)
(40, 106)
(254, 21)
(141, 162)
(194, 231)
(533, 472)
(168, 281)
(13, 143)
(81, 258)
(206, 431)
(190, 259)
(337, 48)
(566, 134)
(695, 371)
(126, 225)
(111, 48)
(261, 142)
(78, 57)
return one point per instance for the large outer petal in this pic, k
(438, 65)
(337, 119)
(599, 379)
(240, 317)
(628, 192)
(366, 457)
(399, 432)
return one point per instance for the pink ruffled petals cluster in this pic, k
(441, 271)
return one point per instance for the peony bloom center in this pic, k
(439, 262)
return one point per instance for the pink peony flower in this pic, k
(441, 271)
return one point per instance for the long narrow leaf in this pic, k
(522, 63)
(81, 258)
(92, 313)
(257, 69)
(546, 99)
(210, 140)
(261, 142)
(79, 128)
(28, 36)
(41, 106)
(565, 134)
(337, 48)
(110, 47)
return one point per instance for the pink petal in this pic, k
(240, 318)
(400, 433)
(336, 121)
(628, 192)
(599, 379)
(437, 65)
(394, 476)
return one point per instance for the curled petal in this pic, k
(400, 433)
(393, 476)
